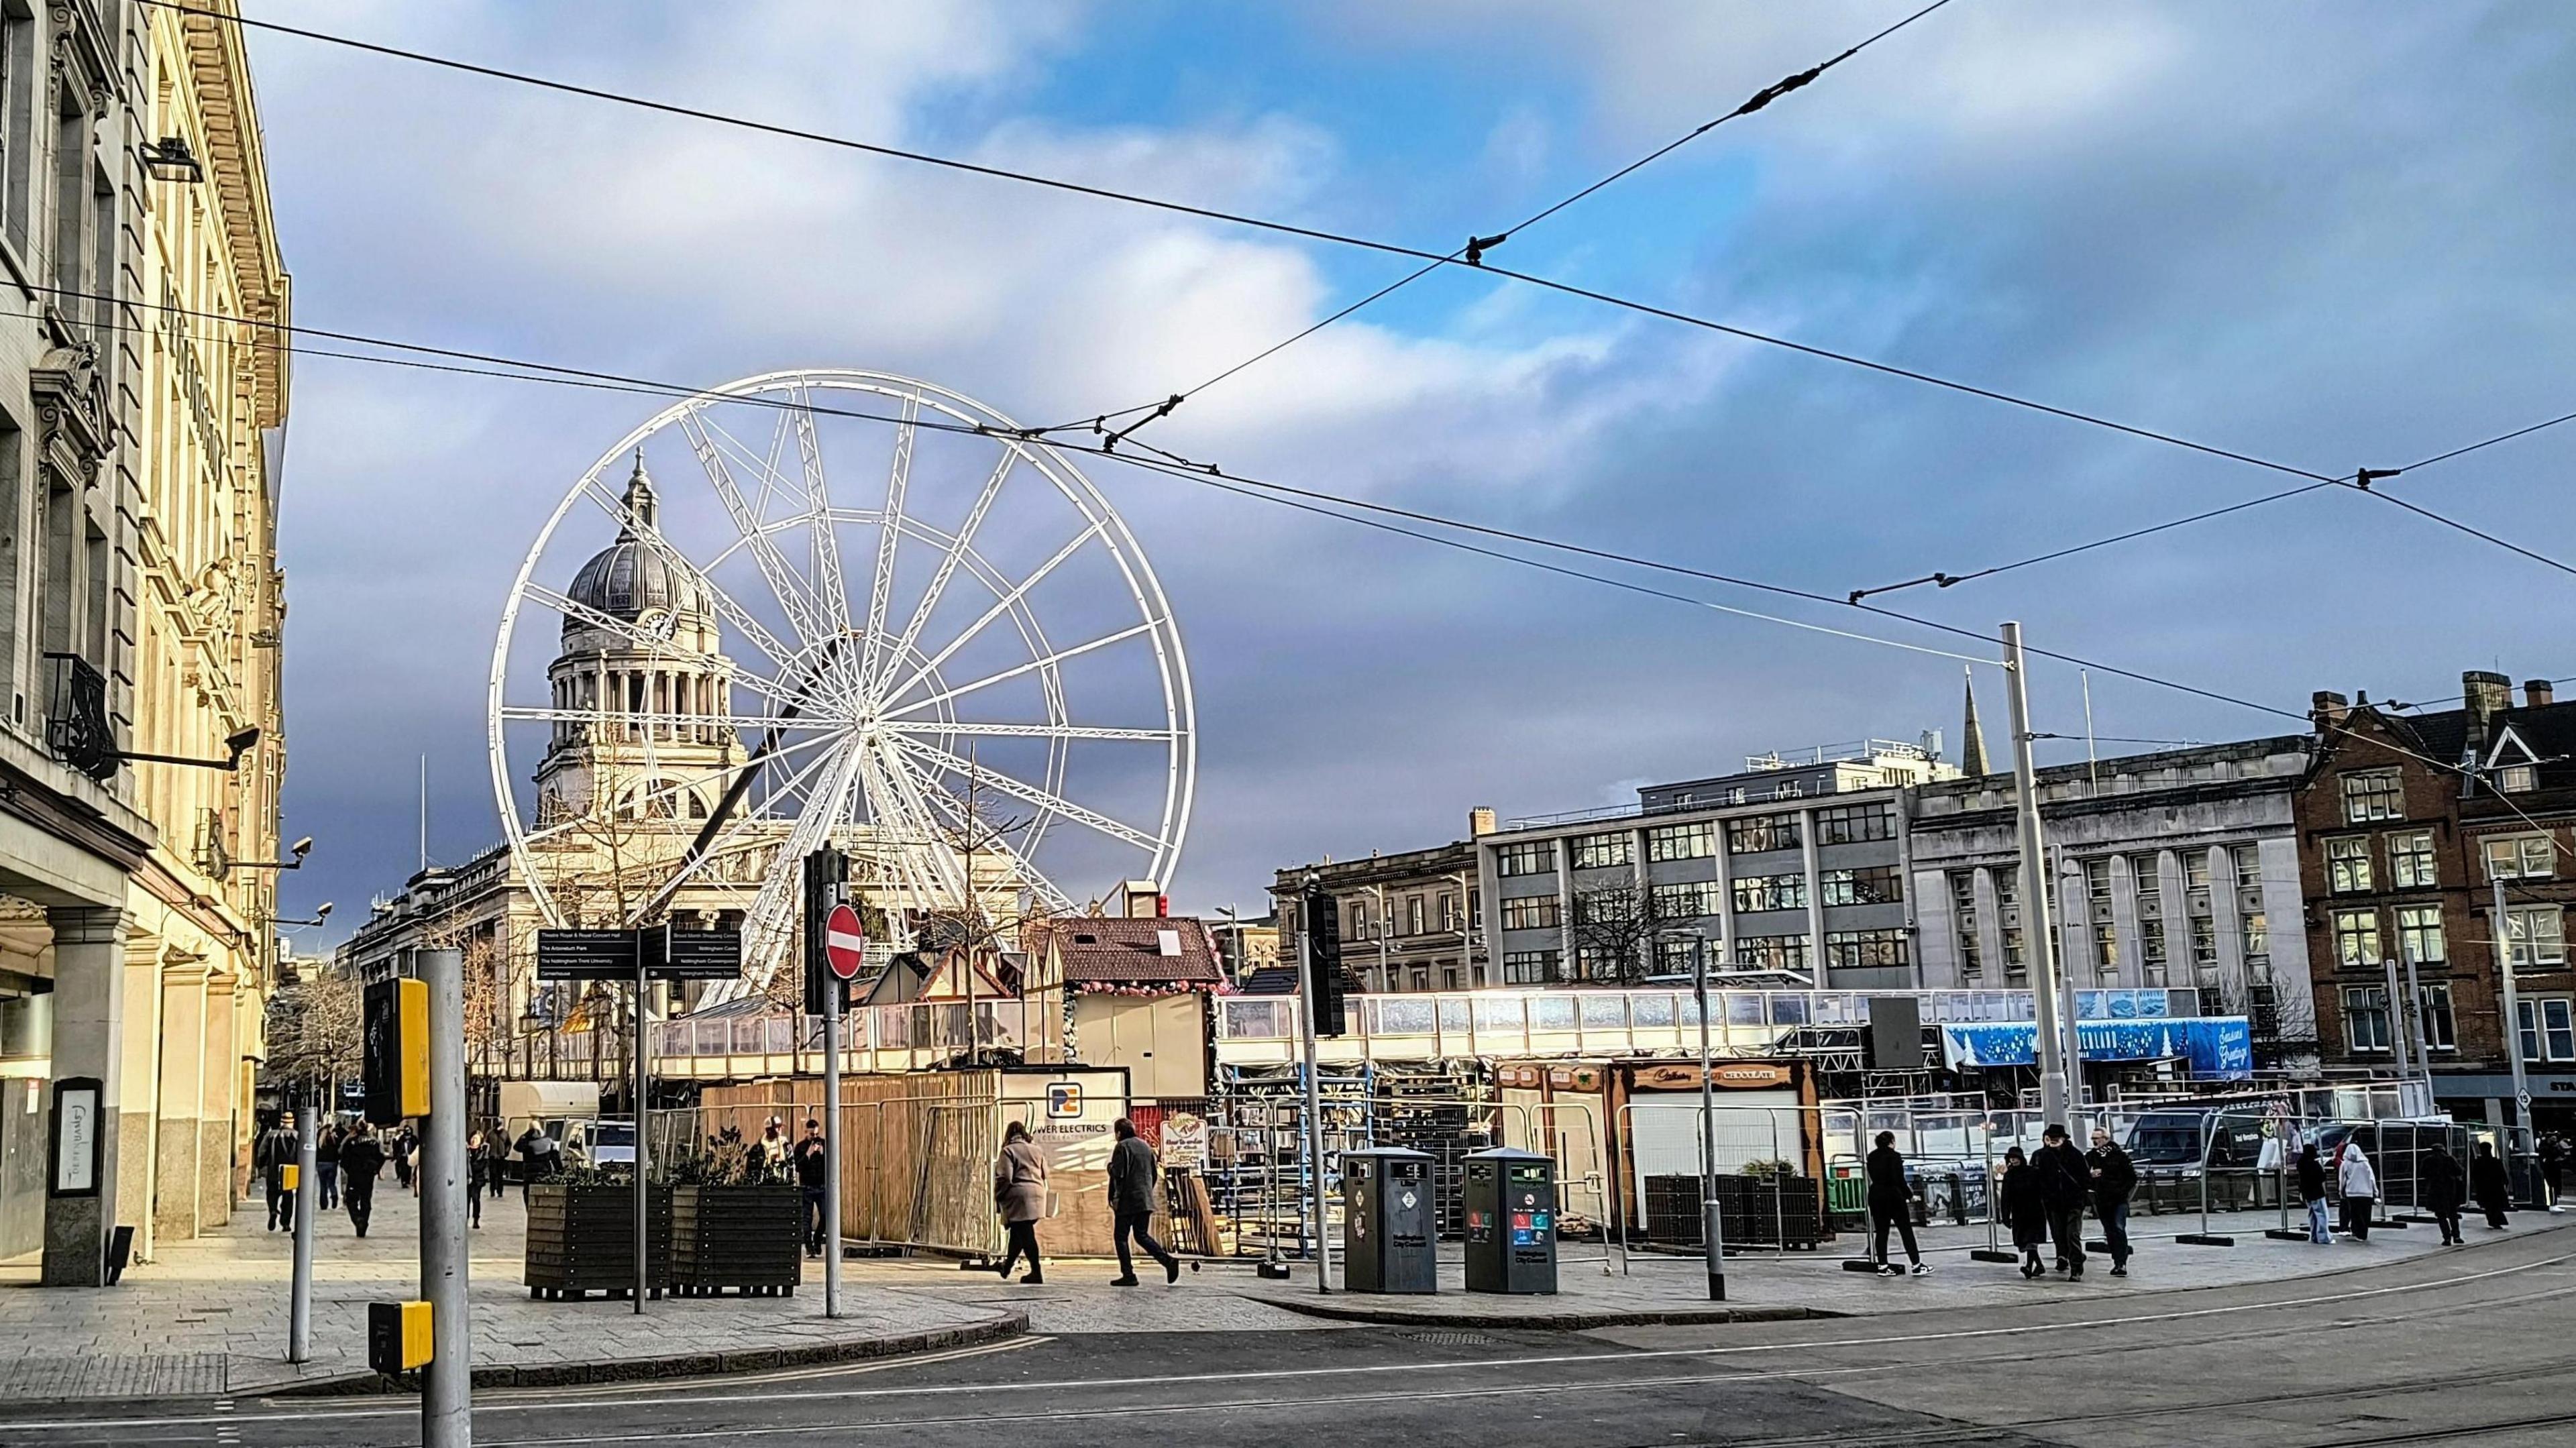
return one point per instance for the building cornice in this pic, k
(237, 163)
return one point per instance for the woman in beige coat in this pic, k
(1019, 1194)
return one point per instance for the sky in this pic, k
(2326, 237)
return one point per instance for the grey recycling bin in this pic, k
(1388, 1244)
(1511, 1221)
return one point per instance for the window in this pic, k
(1422, 977)
(1359, 926)
(1682, 842)
(1963, 923)
(1600, 852)
(2410, 860)
(2098, 918)
(1771, 952)
(2356, 935)
(1673, 954)
(2008, 918)
(2518, 779)
(2348, 864)
(2548, 1028)
(1849, 823)
(2253, 922)
(1867, 885)
(1529, 967)
(1688, 900)
(2536, 936)
(1771, 892)
(1531, 912)
(1449, 918)
(1413, 916)
(1449, 977)
(1537, 857)
(2373, 794)
(2199, 917)
(2433, 1010)
(2521, 857)
(2146, 871)
(1857, 949)
(2365, 1018)
(1616, 905)
(2419, 934)
(1756, 833)
(1594, 962)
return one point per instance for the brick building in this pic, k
(2406, 823)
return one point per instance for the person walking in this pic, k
(1891, 1204)
(769, 1154)
(402, 1148)
(536, 1158)
(2066, 1187)
(2019, 1206)
(2490, 1185)
(276, 1151)
(1019, 1195)
(326, 1164)
(474, 1159)
(2553, 1164)
(2115, 1180)
(1134, 1177)
(496, 1156)
(361, 1157)
(2358, 1185)
(813, 1167)
(2312, 1190)
(2444, 1185)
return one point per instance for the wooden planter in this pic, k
(750, 1239)
(581, 1239)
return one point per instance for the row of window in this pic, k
(2198, 918)
(2350, 860)
(1755, 834)
(2547, 1025)
(1413, 915)
(2535, 935)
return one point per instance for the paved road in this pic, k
(2475, 1345)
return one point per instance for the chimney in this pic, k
(2484, 692)
(1480, 821)
(2328, 708)
(2539, 693)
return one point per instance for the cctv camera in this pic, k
(303, 847)
(323, 911)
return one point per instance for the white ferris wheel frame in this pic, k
(808, 616)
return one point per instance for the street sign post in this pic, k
(659, 951)
(586, 954)
(845, 949)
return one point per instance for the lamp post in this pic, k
(1314, 1092)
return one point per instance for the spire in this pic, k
(1972, 743)
(639, 497)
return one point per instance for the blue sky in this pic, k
(2333, 237)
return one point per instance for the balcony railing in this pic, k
(77, 728)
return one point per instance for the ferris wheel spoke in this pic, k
(752, 629)
(1043, 661)
(792, 596)
(644, 640)
(957, 550)
(1021, 872)
(889, 533)
(741, 827)
(768, 923)
(940, 855)
(831, 585)
(1001, 605)
(932, 729)
(1020, 789)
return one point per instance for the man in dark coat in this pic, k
(813, 1169)
(2553, 1165)
(2443, 1186)
(1891, 1204)
(2489, 1184)
(2066, 1186)
(276, 1151)
(361, 1157)
(2115, 1177)
(1133, 1181)
(326, 1160)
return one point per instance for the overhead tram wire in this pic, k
(1234, 218)
(455, 361)
(1472, 251)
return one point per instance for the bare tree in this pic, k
(1614, 927)
(315, 1030)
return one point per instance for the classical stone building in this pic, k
(140, 408)
(1408, 921)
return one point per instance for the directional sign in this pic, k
(692, 954)
(586, 954)
(845, 944)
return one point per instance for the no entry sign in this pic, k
(845, 946)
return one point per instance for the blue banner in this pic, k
(2216, 1047)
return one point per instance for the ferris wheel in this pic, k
(834, 608)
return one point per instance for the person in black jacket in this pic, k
(813, 1173)
(2312, 1190)
(361, 1157)
(1133, 1182)
(2019, 1207)
(2442, 1186)
(326, 1162)
(1891, 1203)
(2115, 1177)
(2065, 1185)
(276, 1151)
(2489, 1184)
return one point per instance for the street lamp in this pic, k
(299, 850)
(1712, 1235)
(321, 913)
(1314, 1092)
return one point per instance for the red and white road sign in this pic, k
(844, 944)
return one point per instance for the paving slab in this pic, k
(209, 1317)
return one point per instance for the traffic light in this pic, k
(827, 876)
(397, 1050)
(1323, 984)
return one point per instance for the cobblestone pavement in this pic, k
(210, 1316)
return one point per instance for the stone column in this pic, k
(183, 1095)
(89, 991)
(218, 1117)
(141, 1052)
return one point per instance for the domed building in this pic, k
(658, 747)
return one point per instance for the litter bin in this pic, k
(1511, 1221)
(1387, 1239)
